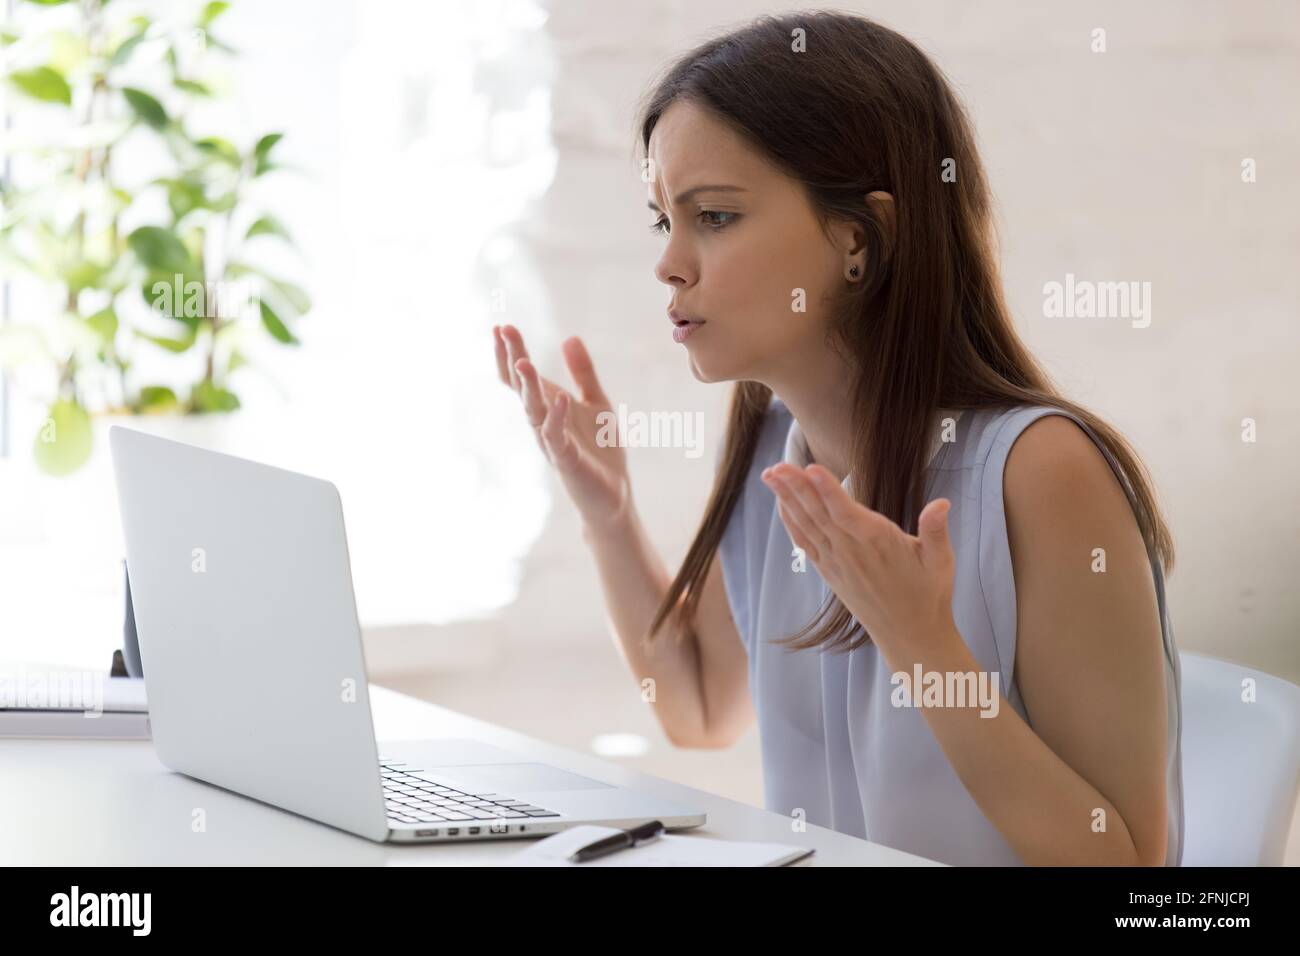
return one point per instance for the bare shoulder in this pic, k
(1074, 539)
(1052, 462)
(1076, 547)
(1056, 478)
(1089, 657)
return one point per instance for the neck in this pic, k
(819, 397)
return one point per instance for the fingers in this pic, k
(515, 350)
(824, 511)
(546, 405)
(583, 371)
(806, 494)
(560, 448)
(796, 532)
(534, 397)
(509, 347)
(802, 504)
(502, 355)
(932, 525)
(839, 504)
(547, 415)
(536, 404)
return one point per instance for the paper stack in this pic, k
(670, 849)
(64, 703)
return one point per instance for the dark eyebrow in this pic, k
(697, 189)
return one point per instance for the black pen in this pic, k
(618, 841)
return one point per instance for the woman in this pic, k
(992, 680)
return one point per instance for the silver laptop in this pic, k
(252, 657)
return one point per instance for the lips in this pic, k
(683, 325)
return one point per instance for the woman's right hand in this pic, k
(587, 453)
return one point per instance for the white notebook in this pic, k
(669, 849)
(55, 703)
(74, 724)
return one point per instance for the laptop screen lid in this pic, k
(248, 628)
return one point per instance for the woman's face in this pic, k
(744, 252)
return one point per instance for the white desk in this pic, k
(111, 803)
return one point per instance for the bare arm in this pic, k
(1086, 784)
(701, 678)
(700, 689)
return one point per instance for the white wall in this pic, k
(1123, 165)
(431, 183)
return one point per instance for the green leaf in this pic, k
(64, 439)
(267, 226)
(214, 147)
(194, 242)
(210, 398)
(105, 323)
(69, 49)
(210, 12)
(147, 109)
(82, 274)
(276, 327)
(213, 43)
(183, 302)
(161, 250)
(127, 47)
(171, 345)
(184, 195)
(264, 145)
(191, 86)
(237, 361)
(157, 398)
(223, 203)
(262, 153)
(43, 83)
(294, 295)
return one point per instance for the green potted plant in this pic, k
(131, 256)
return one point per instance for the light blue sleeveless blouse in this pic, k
(833, 745)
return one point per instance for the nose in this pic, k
(674, 267)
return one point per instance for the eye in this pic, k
(661, 226)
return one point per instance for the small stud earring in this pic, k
(853, 272)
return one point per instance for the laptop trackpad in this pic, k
(509, 778)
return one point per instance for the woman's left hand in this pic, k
(898, 586)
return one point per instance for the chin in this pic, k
(700, 374)
(709, 373)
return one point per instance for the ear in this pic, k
(849, 239)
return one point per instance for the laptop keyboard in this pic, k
(412, 799)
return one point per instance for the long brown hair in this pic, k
(858, 109)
